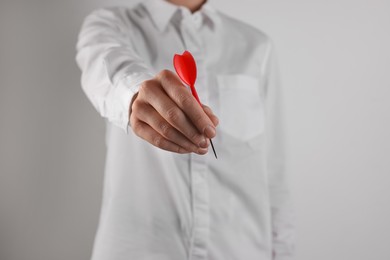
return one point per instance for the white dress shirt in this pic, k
(159, 205)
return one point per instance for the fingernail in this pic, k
(202, 150)
(217, 123)
(209, 131)
(203, 143)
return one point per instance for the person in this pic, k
(166, 197)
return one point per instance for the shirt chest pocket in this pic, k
(241, 106)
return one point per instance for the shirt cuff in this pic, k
(125, 90)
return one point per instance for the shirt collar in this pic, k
(162, 11)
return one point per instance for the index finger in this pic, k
(175, 89)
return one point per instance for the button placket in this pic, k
(200, 203)
(198, 163)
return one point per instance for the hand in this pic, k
(165, 114)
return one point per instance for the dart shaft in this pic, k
(195, 94)
(212, 146)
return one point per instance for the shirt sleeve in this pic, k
(112, 70)
(280, 198)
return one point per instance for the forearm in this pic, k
(111, 68)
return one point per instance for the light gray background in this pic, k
(335, 64)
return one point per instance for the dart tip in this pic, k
(212, 146)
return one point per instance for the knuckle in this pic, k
(139, 109)
(135, 107)
(165, 74)
(142, 92)
(146, 86)
(158, 141)
(173, 114)
(184, 99)
(137, 127)
(165, 129)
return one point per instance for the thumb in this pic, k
(211, 115)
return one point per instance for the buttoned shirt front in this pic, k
(159, 205)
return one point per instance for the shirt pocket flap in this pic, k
(241, 106)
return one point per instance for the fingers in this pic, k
(165, 114)
(187, 103)
(151, 117)
(150, 135)
(211, 115)
(169, 110)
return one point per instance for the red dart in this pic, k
(185, 67)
